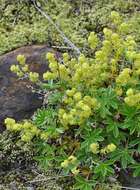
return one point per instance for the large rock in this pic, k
(16, 98)
(128, 180)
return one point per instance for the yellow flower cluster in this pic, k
(119, 91)
(94, 147)
(116, 18)
(34, 77)
(81, 72)
(21, 59)
(125, 48)
(27, 129)
(66, 57)
(124, 77)
(93, 40)
(130, 77)
(58, 70)
(23, 69)
(91, 73)
(109, 148)
(136, 65)
(71, 160)
(75, 171)
(133, 98)
(124, 28)
(86, 75)
(130, 44)
(20, 69)
(77, 108)
(11, 124)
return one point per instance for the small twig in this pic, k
(66, 40)
(129, 188)
(62, 47)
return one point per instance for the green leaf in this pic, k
(134, 142)
(108, 101)
(83, 184)
(104, 169)
(91, 137)
(128, 111)
(124, 156)
(50, 85)
(55, 98)
(44, 116)
(136, 168)
(113, 127)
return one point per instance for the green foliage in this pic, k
(82, 184)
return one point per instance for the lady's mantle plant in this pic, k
(91, 126)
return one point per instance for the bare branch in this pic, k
(66, 40)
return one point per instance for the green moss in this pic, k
(13, 153)
(18, 169)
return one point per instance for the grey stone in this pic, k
(16, 99)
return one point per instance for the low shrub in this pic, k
(89, 128)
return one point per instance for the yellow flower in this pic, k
(119, 91)
(87, 109)
(50, 56)
(130, 101)
(94, 147)
(93, 40)
(130, 92)
(75, 171)
(115, 37)
(20, 74)
(27, 125)
(33, 76)
(48, 76)
(26, 137)
(80, 104)
(70, 92)
(14, 68)
(107, 32)
(21, 59)
(126, 71)
(34, 130)
(65, 116)
(9, 121)
(44, 135)
(77, 96)
(53, 66)
(73, 111)
(72, 159)
(115, 17)
(65, 57)
(61, 112)
(81, 59)
(25, 68)
(16, 127)
(103, 151)
(111, 147)
(114, 14)
(124, 27)
(65, 164)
